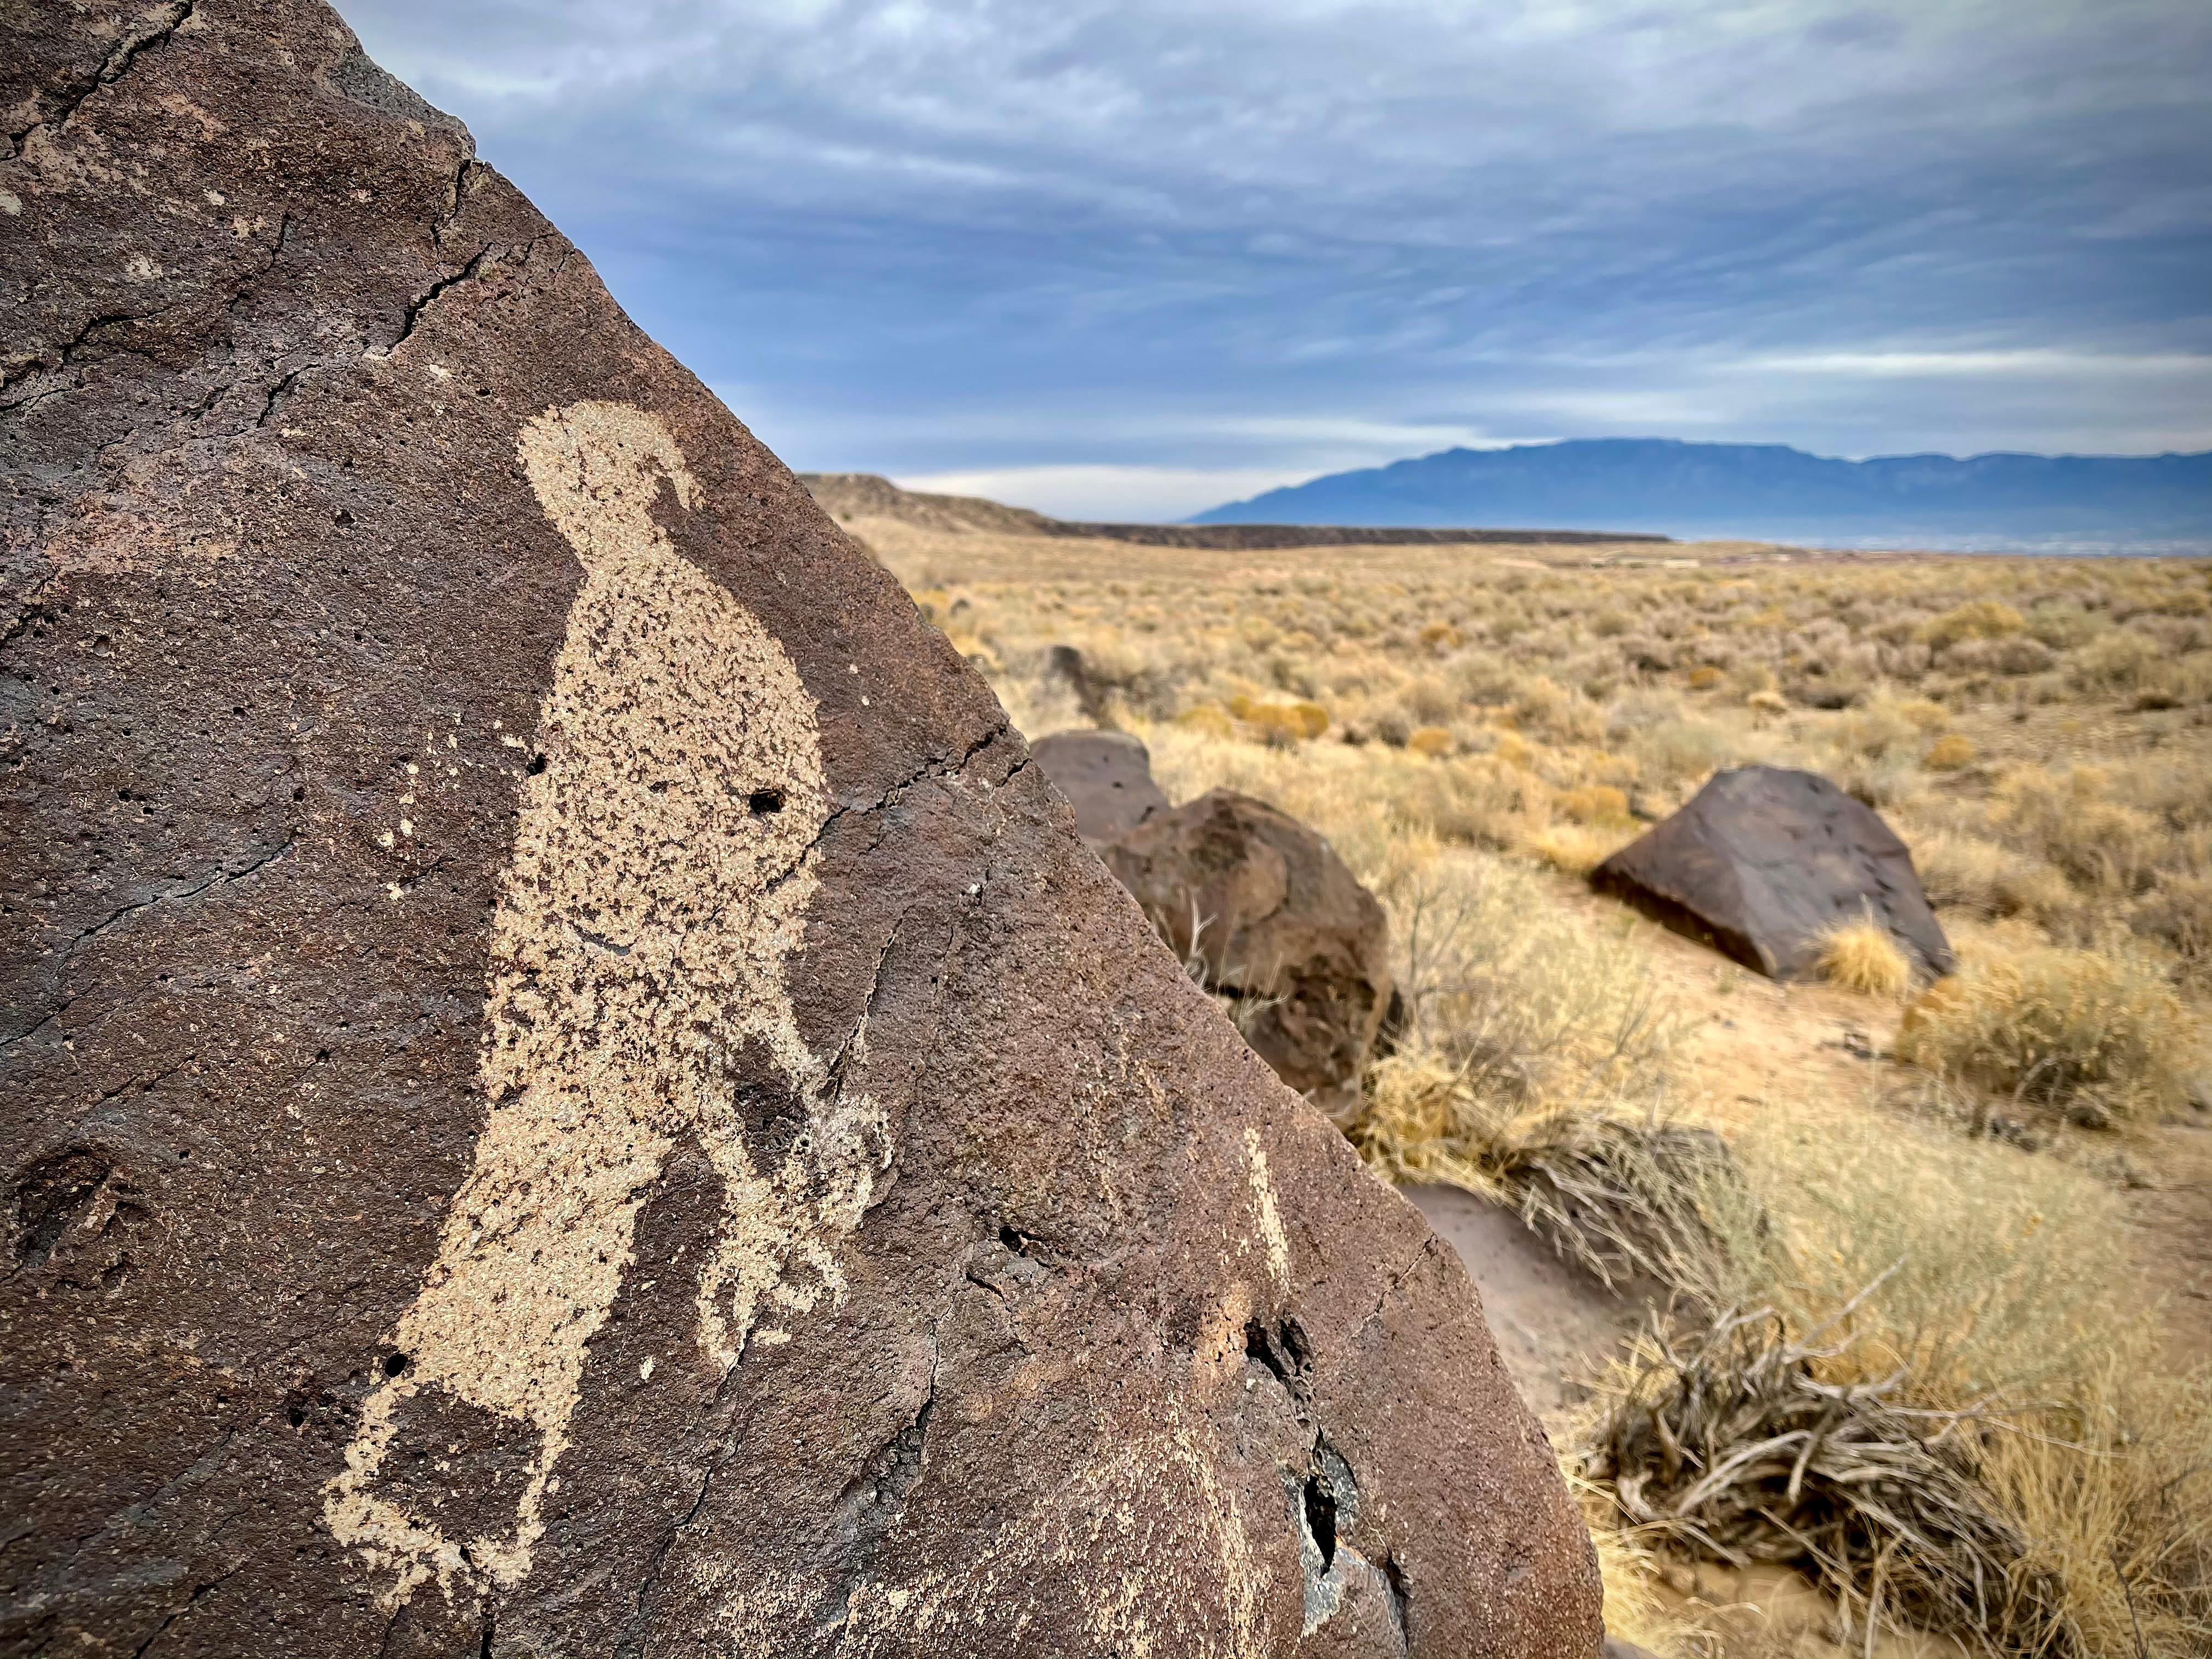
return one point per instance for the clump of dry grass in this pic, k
(1280, 723)
(1727, 1438)
(1949, 752)
(2116, 1495)
(1977, 619)
(1629, 1198)
(2081, 1528)
(1862, 955)
(1525, 1004)
(1532, 1071)
(1969, 1435)
(1577, 849)
(2177, 914)
(1987, 880)
(1633, 1199)
(2097, 1034)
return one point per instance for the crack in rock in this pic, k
(113, 68)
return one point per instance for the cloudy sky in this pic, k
(1139, 257)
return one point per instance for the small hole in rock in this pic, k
(537, 764)
(765, 801)
(1321, 1519)
(1256, 1346)
(294, 1415)
(394, 1364)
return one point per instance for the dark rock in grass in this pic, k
(1763, 860)
(567, 1087)
(1068, 666)
(1106, 777)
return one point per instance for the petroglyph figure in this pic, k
(662, 873)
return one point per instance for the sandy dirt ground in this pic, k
(2170, 1221)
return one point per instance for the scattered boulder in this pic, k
(1068, 665)
(566, 1088)
(1763, 860)
(1278, 924)
(1107, 778)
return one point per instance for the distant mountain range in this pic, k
(854, 498)
(1770, 492)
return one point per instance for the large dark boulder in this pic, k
(1280, 926)
(1106, 777)
(1763, 860)
(567, 1087)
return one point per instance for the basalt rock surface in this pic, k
(1107, 778)
(569, 1089)
(1281, 926)
(1764, 859)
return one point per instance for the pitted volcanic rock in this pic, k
(1107, 778)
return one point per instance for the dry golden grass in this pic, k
(2099, 1034)
(2040, 733)
(2116, 1493)
(1948, 753)
(1577, 849)
(1862, 955)
(1915, 1289)
(1726, 1437)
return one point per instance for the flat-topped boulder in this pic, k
(569, 1087)
(1107, 778)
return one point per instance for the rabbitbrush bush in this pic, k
(2097, 1034)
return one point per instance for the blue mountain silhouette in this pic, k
(1765, 491)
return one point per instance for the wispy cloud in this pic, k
(1241, 236)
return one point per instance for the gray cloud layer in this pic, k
(1140, 257)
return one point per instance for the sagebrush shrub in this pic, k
(2097, 1034)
